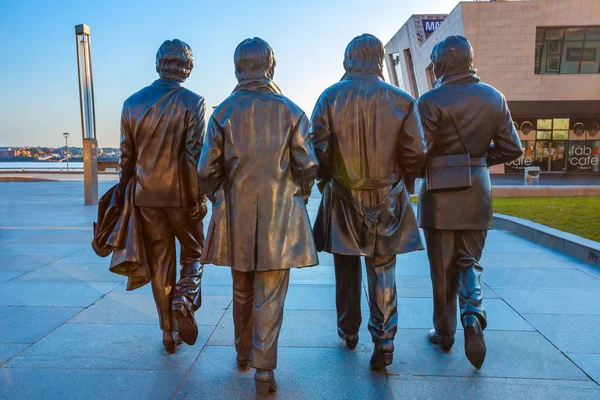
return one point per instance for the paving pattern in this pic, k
(69, 330)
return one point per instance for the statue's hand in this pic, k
(200, 211)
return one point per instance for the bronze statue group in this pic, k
(257, 161)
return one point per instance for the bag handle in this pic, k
(458, 134)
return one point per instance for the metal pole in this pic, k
(67, 151)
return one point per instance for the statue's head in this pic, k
(254, 58)
(174, 60)
(451, 55)
(364, 54)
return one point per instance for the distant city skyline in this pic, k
(38, 78)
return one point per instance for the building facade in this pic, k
(544, 55)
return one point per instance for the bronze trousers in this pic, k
(258, 299)
(454, 265)
(160, 227)
(381, 278)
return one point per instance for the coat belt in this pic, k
(367, 184)
(369, 216)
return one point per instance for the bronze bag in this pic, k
(449, 173)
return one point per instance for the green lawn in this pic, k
(577, 215)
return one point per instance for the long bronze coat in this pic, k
(482, 116)
(364, 128)
(162, 131)
(258, 168)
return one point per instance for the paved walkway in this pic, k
(68, 328)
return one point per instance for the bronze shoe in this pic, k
(351, 340)
(474, 341)
(264, 381)
(186, 323)
(383, 354)
(444, 342)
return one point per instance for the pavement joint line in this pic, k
(42, 227)
(189, 370)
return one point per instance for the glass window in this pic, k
(567, 50)
(544, 135)
(571, 57)
(560, 135)
(561, 123)
(590, 60)
(544, 124)
(554, 34)
(593, 33)
(575, 34)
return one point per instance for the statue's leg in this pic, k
(160, 246)
(187, 298)
(383, 324)
(348, 287)
(243, 315)
(469, 247)
(270, 290)
(442, 262)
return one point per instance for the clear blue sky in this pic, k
(38, 73)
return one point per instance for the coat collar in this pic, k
(265, 85)
(361, 74)
(166, 82)
(469, 76)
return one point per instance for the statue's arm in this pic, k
(507, 145)
(127, 149)
(320, 135)
(412, 145)
(303, 159)
(194, 139)
(210, 165)
(430, 117)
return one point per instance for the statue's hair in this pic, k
(364, 54)
(254, 58)
(453, 54)
(174, 60)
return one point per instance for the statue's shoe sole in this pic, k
(186, 325)
(474, 345)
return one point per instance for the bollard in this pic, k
(532, 176)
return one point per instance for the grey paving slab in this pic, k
(315, 297)
(552, 301)
(52, 294)
(25, 263)
(85, 255)
(539, 278)
(301, 328)
(9, 350)
(41, 249)
(442, 388)
(16, 235)
(216, 276)
(78, 384)
(96, 346)
(590, 363)
(318, 275)
(520, 260)
(509, 354)
(57, 272)
(209, 290)
(68, 236)
(325, 374)
(417, 313)
(570, 333)
(516, 246)
(29, 324)
(6, 276)
(132, 308)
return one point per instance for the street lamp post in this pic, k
(66, 135)
(88, 113)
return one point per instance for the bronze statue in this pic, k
(461, 117)
(162, 131)
(369, 142)
(258, 168)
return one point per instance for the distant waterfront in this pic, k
(40, 165)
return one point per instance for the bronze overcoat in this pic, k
(366, 129)
(258, 167)
(482, 116)
(162, 130)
